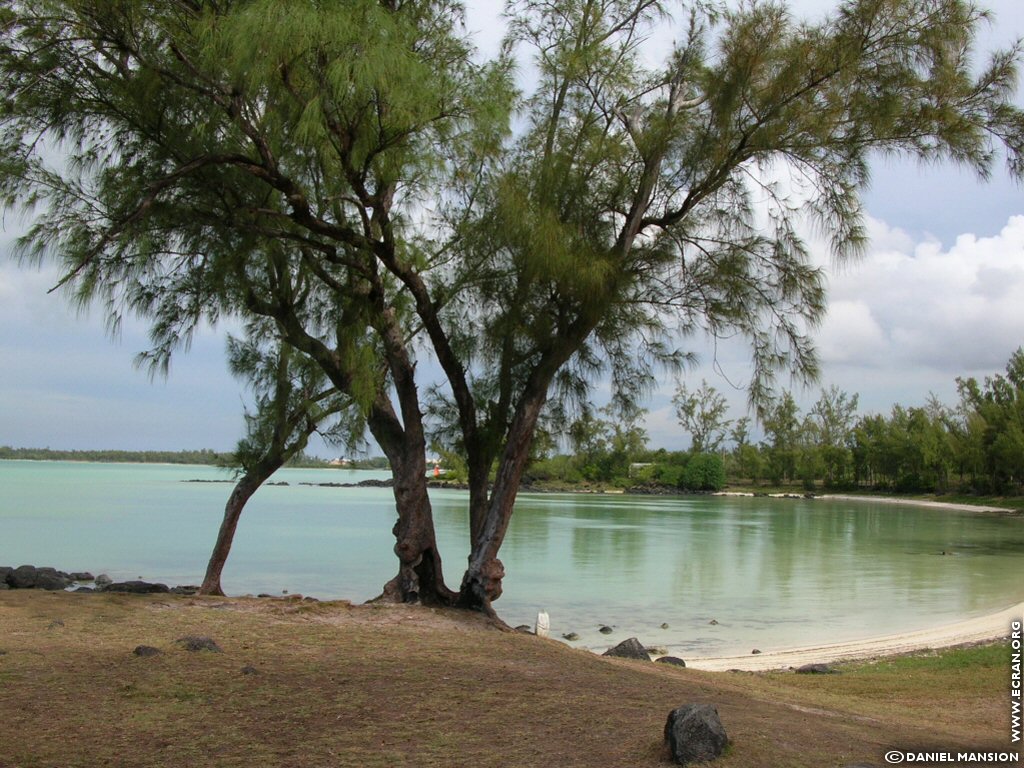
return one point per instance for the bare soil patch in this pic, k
(331, 684)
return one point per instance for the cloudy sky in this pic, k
(940, 294)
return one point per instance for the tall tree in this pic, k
(781, 421)
(627, 211)
(999, 407)
(346, 169)
(702, 414)
(250, 157)
(833, 417)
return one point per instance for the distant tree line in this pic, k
(975, 446)
(202, 456)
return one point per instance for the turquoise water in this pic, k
(772, 572)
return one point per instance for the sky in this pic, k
(939, 294)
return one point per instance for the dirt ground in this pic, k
(309, 684)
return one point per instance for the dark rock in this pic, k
(103, 580)
(674, 660)
(526, 629)
(81, 576)
(250, 670)
(137, 587)
(816, 669)
(606, 630)
(23, 577)
(571, 637)
(199, 643)
(84, 589)
(187, 589)
(30, 577)
(52, 582)
(5, 572)
(264, 594)
(629, 649)
(713, 622)
(146, 650)
(665, 625)
(756, 651)
(694, 733)
(4, 585)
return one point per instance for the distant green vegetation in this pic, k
(974, 449)
(203, 456)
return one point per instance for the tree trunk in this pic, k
(420, 577)
(242, 492)
(481, 583)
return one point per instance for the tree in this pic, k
(249, 158)
(347, 170)
(782, 432)
(998, 407)
(702, 414)
(746, 458)
(292, 401)
(833, 419)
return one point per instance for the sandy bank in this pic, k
(915, 503)
(982, 628)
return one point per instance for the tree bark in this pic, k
(481, 583)
(420, 577)
(242, 492)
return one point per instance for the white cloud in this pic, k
(955, 310)
(850, 333)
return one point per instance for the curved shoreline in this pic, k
(892, 500)
(993, 626)
(895, 500)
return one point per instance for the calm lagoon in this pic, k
(773, 573)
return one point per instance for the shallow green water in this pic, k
(772, 573)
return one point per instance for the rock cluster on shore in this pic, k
(33, 577)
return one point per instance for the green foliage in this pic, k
(992, 435)
(704, 472)
(348, 173)
(203, 456)
(702, 414)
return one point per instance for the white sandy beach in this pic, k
(915, 503)
(978, 629)
(990, 627)
(874, 500)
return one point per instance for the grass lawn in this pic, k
(329, 684)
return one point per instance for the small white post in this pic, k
(543, 624)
